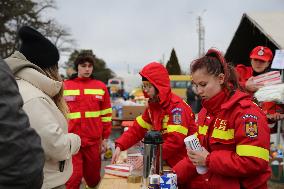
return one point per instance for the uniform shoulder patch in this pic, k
(250, 124)
(251, 129)
(176, 113)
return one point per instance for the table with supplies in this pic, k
(115, 182)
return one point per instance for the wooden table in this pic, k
(114, 182)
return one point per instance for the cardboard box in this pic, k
(131, 112)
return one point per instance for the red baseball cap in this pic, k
(261, 53)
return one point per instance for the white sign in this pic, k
(278, 60)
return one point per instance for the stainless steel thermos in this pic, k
(152, 157)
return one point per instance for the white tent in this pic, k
(259, 28)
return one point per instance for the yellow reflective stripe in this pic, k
(106, 111)
(221, 134)
(253, 151)
(165, 121)
(106, 119)
(177, 128)
(196, 134)
(74, 115)
(92, 114)
(71, 92)
(202, 129)
(94, 91)
(143, 123)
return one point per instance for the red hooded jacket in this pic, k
(90, 110)
(171, 115)
(235, 132)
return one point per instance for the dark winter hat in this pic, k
(37, 49)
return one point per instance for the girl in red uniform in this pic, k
(231, 128)
(261, 58)
(166, 112)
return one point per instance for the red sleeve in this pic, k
(252, 147)
(244, 73)
(178, 130)
(135, 133)
(106, 116)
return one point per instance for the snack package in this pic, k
(122, 170)
(269, 78)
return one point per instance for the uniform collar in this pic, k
(213, 105)
(83, 78)
(223, 100)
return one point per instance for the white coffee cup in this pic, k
(192, 143)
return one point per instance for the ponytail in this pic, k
(215, 64)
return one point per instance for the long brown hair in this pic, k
(52, 72)
(215, 64)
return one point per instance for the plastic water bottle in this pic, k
(119, 111)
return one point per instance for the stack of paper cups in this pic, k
(192, 143)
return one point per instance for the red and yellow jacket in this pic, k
(90, 110)
(171, 115)
(235, 132)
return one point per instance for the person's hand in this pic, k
(252, 86)
(115, 155)
(138, 164)
(104, 146)
(198, 157)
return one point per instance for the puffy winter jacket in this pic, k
(235, 132)
(171, 115)
(37, 91)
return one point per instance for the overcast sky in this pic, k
(128, 34)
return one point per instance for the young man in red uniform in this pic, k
(166, 112)
(261, 58)
(90, 118)
(231, 128)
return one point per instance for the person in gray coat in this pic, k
(21, 154)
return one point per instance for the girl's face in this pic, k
(149, 89)
(207, 85)
(259, 65)
(85, 69)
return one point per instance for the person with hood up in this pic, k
(166, 112)
(36, 70)
(232, 129)
(21, 157)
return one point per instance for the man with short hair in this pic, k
(90, 117)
